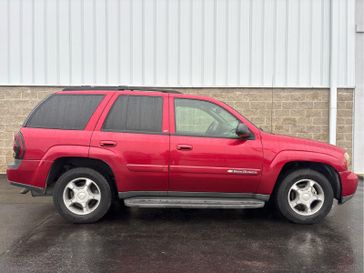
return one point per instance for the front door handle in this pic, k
(107, 143)
(184, 147)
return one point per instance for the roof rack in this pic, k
(121, 88)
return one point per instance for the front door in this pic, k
(206, 154)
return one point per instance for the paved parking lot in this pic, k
(33, 238)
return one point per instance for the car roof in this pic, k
(121, 88)
(134, 90)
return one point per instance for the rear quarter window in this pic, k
(64, 111)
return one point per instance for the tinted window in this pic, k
(202, 118)
(64, 112)
(135, 113)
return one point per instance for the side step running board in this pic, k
(188, 202)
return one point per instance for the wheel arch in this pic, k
(325, 169)
(63, 164)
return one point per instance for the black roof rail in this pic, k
(89, 87)
(121, 88)
(144, 88)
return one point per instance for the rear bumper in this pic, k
(31, 173)
(33, 189)
(15, 165)
(22, 171)
(349, 184)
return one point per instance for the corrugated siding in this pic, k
(257, 43)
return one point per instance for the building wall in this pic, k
(296, 112)
(344, 137)
(245, 43)
(358, 162)
(192, 43)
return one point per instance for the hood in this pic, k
(281, 143)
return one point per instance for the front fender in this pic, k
(272, 168)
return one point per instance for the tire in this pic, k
(82, 196)
(304, 196)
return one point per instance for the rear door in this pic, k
(132, 136)
(206, 155)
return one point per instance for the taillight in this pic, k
(19, 146)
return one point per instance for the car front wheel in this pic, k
(82, 195)
(304, 196)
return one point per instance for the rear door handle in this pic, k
(107, 143)
(184, 147)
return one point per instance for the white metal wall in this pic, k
(263, 43)
(358, 147)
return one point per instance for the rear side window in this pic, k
(135, 114)
(69, 112)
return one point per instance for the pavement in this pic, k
(34, 238)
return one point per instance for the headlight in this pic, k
(347, 159)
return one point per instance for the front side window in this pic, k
(135, 114)
(64, 111)
(203, 118)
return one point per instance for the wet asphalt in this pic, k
(34, 238)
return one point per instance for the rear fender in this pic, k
(41, 174)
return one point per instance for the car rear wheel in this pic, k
(304, 196)
(82, 195)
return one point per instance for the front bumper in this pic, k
(346, 198)
(349, 184)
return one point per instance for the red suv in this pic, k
(164, 149)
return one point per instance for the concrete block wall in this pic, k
(345, 115)
(295, 112)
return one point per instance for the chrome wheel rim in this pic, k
(81, 196)
(306, 197)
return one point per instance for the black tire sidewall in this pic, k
(101, 182)
(282, 196)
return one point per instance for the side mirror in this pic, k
(243, 131)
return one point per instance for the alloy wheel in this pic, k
(306, 197)
(81, 196)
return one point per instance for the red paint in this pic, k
(168, 162)
(349, 182)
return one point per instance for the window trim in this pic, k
(218, 137)
(135, 132)
(102, 129)
(35, 108)
(25, 123)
